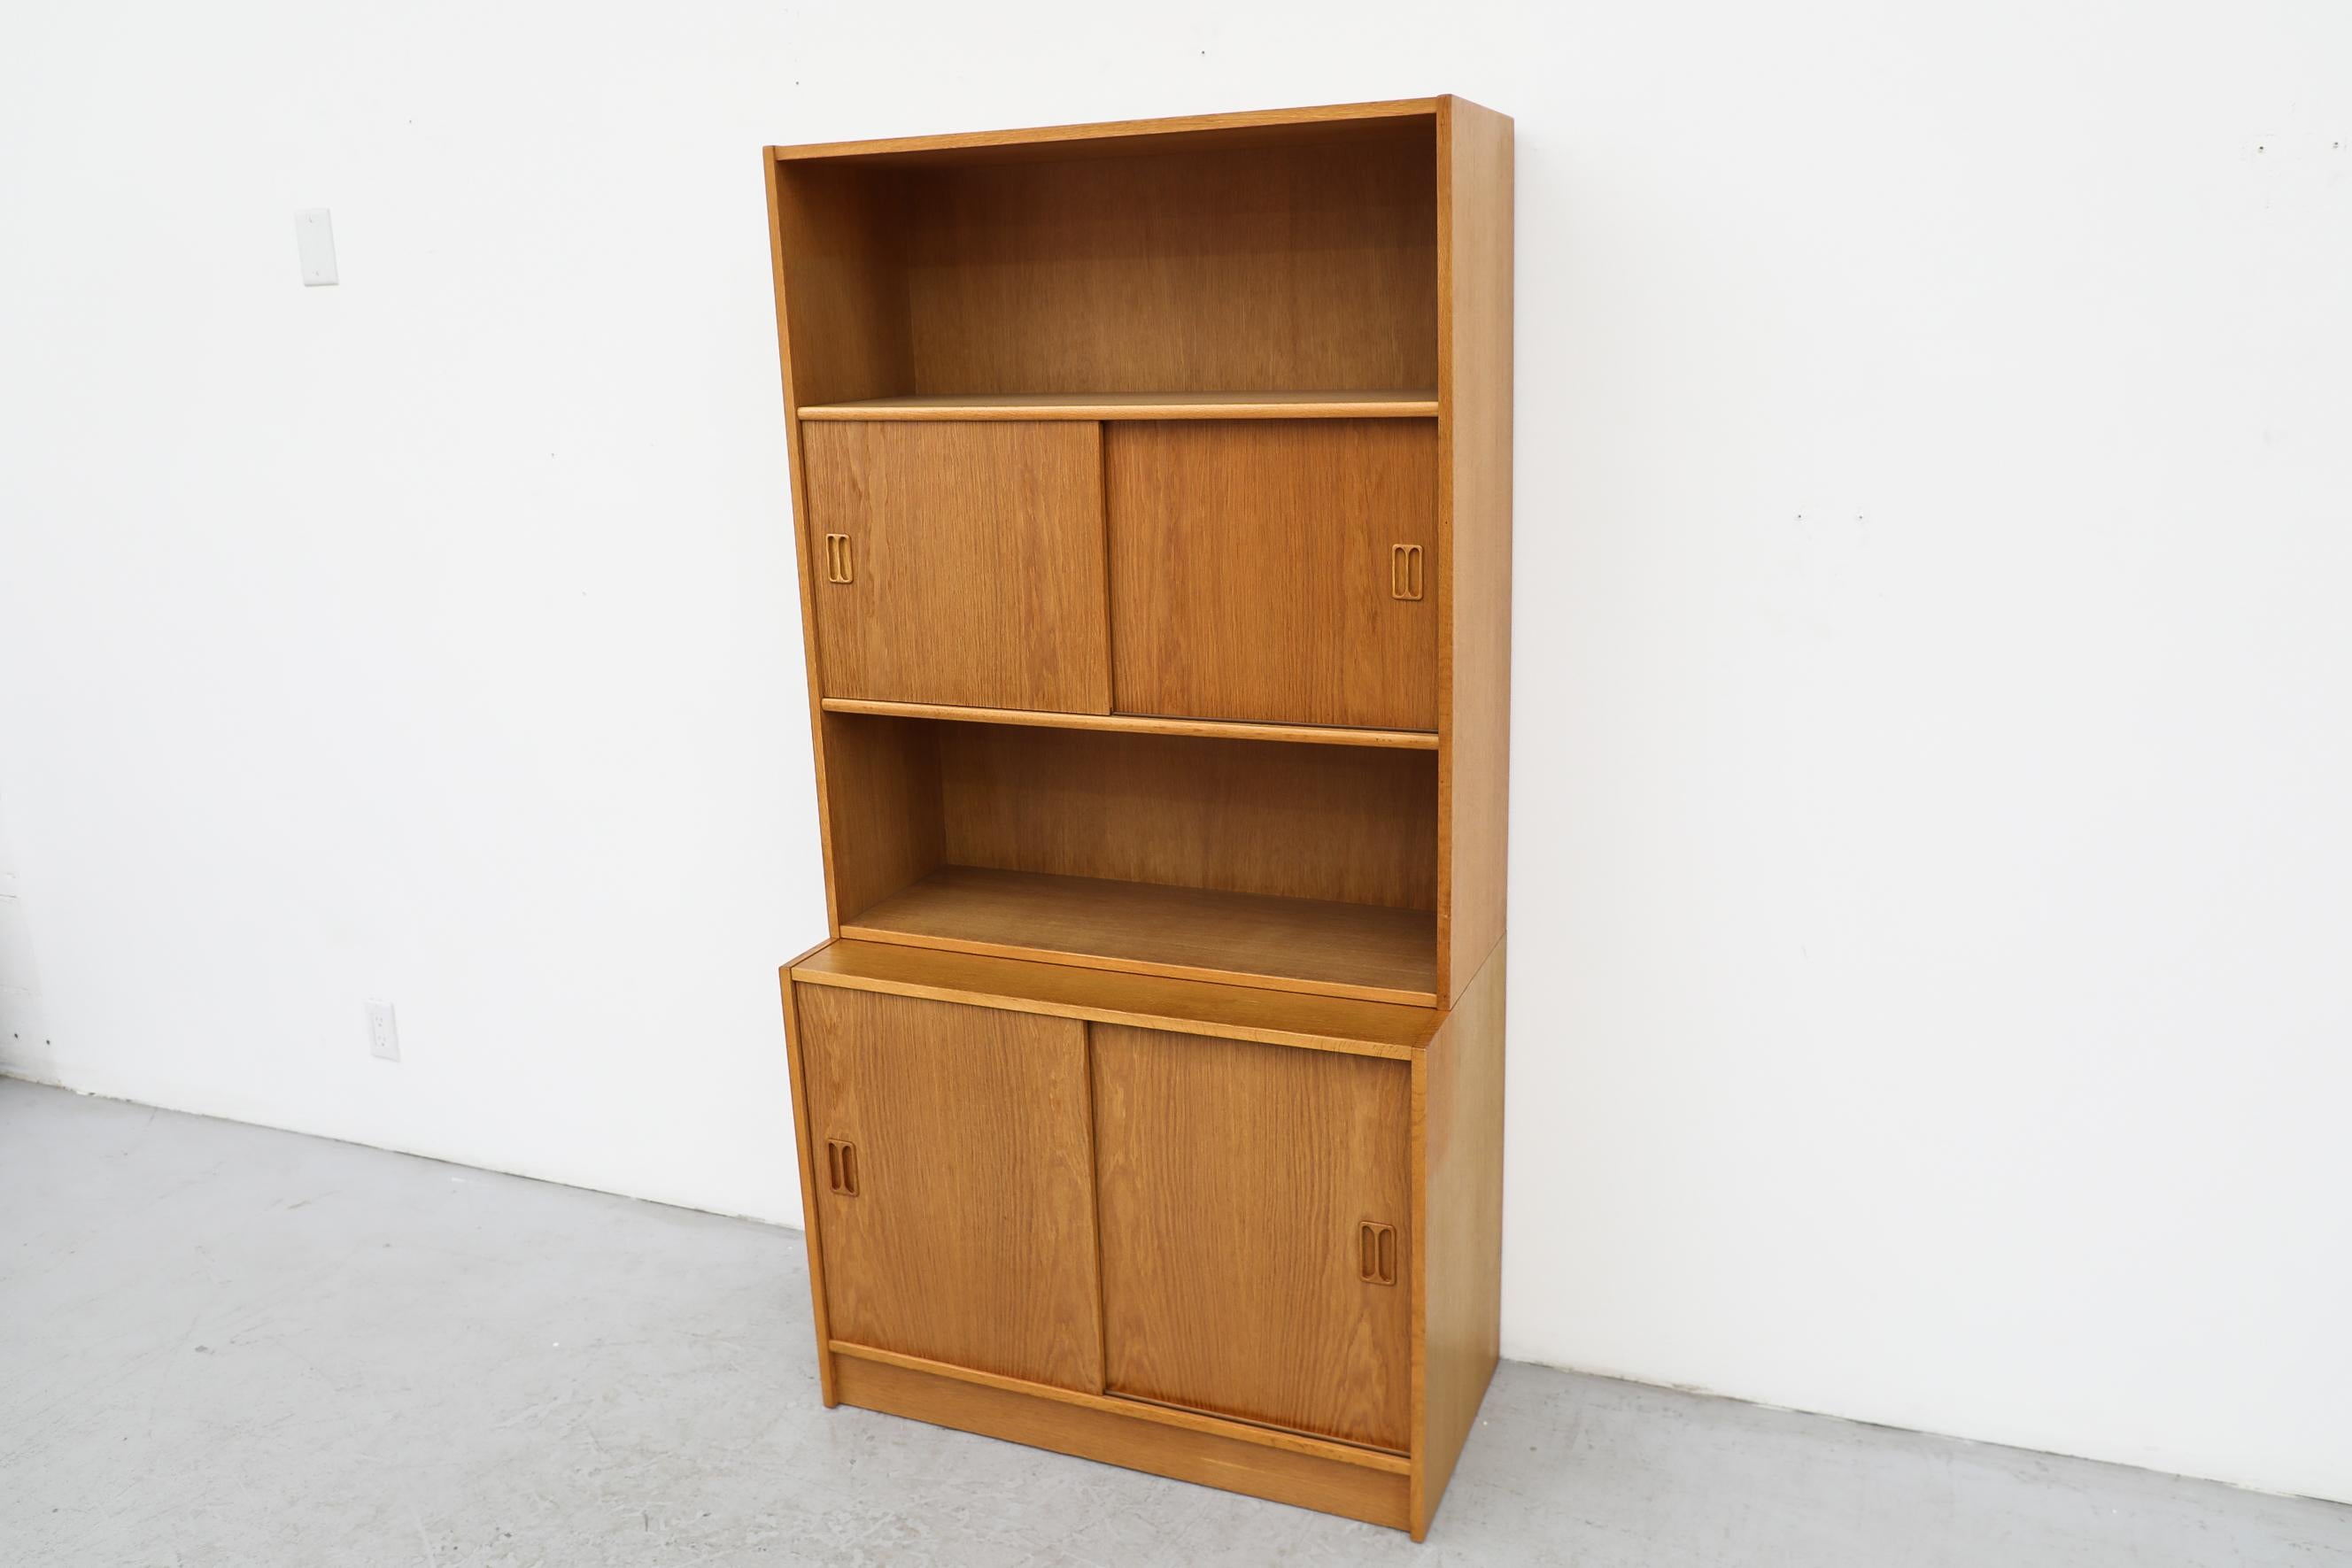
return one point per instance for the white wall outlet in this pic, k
(383, 1036)
(314, 239)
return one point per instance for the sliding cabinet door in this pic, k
(955, 1182)
(1255, 1222)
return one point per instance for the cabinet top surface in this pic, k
(1245, 1012)
(1124, 135)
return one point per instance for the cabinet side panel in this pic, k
(955, 1183)
(841, 333)
(798, 1074)
(1235, 1182)
(1463, 1245)
(843, 273)
(1474, 477)
(884, 816)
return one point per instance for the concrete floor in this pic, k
(228, 1346)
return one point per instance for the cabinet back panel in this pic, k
(1307, 266)
(1478, 541)
(1350, 824)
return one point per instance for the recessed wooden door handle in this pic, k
(1404, 572)
(841, 1166)
(837, 565)
(1376, 1253)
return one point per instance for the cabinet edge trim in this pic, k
(1158, 1415)
(1175, 1024)
(1146, 724)
(852, 930)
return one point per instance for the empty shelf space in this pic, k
(1417, 404)
(1286, 944)
(1141, 724)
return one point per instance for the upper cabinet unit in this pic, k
(1183, 428)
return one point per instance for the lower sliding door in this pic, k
(1254, 1204)
(954, 1182)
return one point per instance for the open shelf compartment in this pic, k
(1302, 867)
(1289, 272)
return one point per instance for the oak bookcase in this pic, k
(1152, 490)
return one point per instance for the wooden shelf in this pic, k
(1420, 403)
(1285, 944)
(1140, 724)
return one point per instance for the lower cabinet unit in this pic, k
(1166, 1224)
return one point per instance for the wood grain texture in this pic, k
(1295, 265)
(1104, 996)
(1352, 825)
(1474, 279)
(881, 782)
(1234, 1179)
(1458, 1286)
(1250, 570)
(1137, 724)
(841, 238)
(970, 1238)
(1393, 405)
(978, 563)
(1143, 1410)
(1354, 1491)
(1243, 130)
(816, 227)
(807, 1168)
(1289, 944)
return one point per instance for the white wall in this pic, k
(1932, 878)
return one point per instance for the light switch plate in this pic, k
(314, 237)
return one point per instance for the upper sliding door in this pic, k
(960, 564)
(1277, 570)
